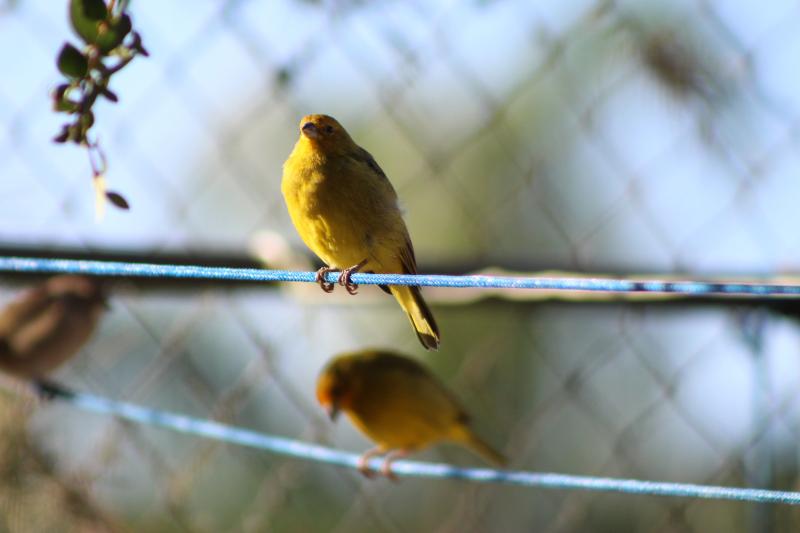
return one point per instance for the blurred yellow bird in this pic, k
(48, 324)
(346, 211)
(398, 404)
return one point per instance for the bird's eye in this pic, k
(328, 129)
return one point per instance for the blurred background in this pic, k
(597, 137)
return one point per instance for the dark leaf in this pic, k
(94, 9)
(110, 35)
(71, 62)
(117, 200)
(108, 93)
(85, 16)
(60, 100)
(137, 45)
(60, 91)
(65, 105)
(63, 136)
(123, 25)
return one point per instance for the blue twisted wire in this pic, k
(115, 268)
(322, 454)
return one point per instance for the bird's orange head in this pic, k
(338, 384)
(324, 132)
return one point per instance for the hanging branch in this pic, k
(109, 45)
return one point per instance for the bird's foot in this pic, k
(386, 469)
(325, 285)
(387, 472)
(363, 462)
(344, 277)
(364, 469)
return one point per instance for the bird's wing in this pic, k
(407, 256)
(421, 382)
(364, 157)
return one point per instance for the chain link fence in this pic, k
(587, 136)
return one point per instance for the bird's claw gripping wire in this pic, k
(344, 277)
(363, 462)
(324, 284)
(365, 471)
(386, 467)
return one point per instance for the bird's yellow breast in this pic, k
(339, 211)
(318, 213)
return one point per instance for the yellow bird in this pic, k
(48, 324)
(346, 211)
(398, 404)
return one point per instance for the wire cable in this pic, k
(322, 454)
(612, 285)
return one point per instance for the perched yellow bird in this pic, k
(397, 403)
(48, 324)
(346, 211)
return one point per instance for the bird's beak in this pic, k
(310, 130)
(333, 411)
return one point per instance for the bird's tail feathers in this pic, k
(482, 448)
(411, 301)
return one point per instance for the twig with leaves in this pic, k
(107, 33)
